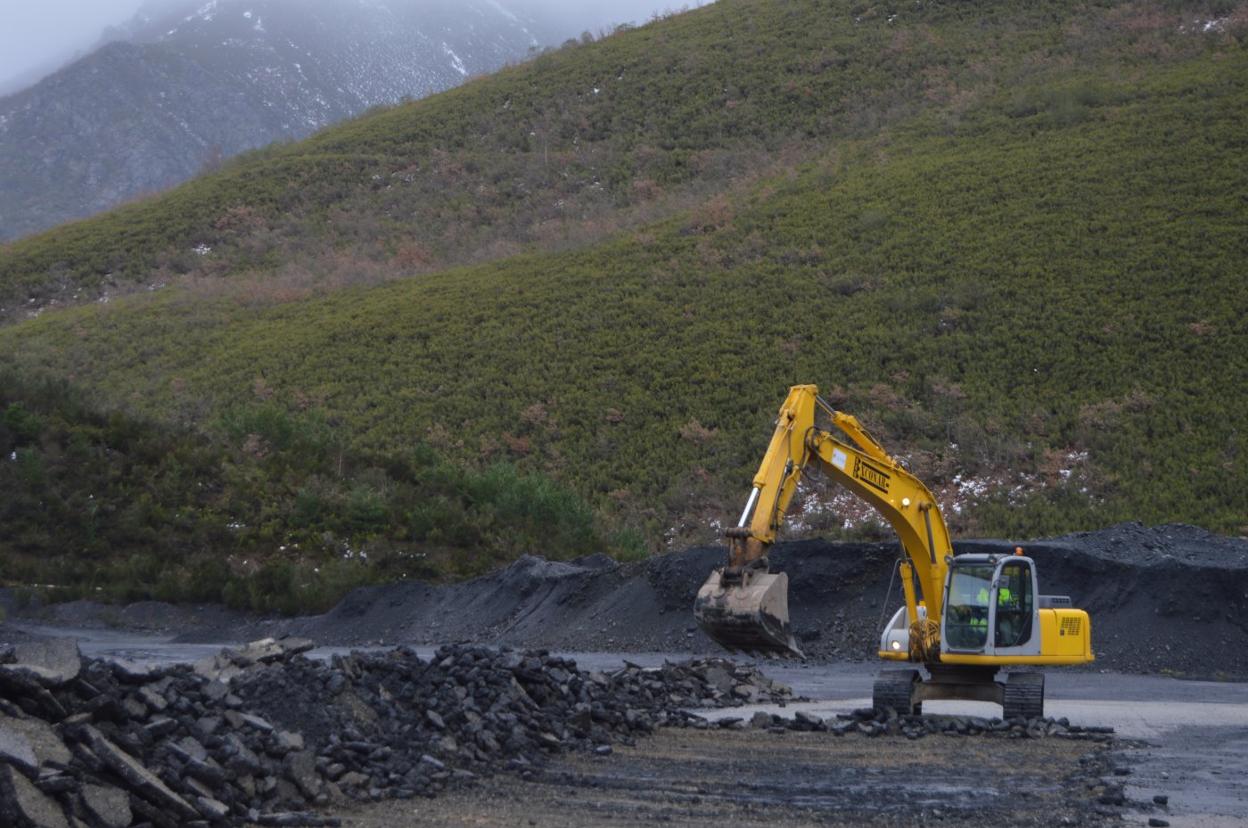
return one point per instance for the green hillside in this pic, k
(578, 143)
(1010, 241)
(104, 504)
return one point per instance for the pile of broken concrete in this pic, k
(265, 735)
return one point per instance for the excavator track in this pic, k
(1023, 696)
(895, 689)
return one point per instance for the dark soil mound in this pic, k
(1168, 598)
(1162, 599)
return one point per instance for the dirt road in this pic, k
(745, 778)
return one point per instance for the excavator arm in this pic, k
(745, 606)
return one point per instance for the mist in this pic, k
(602, 12)
(37, 37)
(40, 36)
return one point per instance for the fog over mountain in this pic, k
(40, 36)
(181, 85)
(37, 37)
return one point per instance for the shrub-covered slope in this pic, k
(1031, 290)
(577, 143)
(268, 515)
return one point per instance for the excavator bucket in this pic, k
(751, 615)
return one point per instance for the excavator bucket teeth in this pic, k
(751, 616)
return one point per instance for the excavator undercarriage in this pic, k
(1021, 695)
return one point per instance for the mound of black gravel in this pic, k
(1152, 592)
(1168, 599)
(1140, 545)
(475, 708)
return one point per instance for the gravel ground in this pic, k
(1201, 771)
(728, 778)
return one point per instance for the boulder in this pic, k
(257, 722)
(231, 663)
(29, 743)
(213, 809)
(745, 692)
(301, 768)
(268, 650)
(807, 721)
(188, 748)
(107, 805)
(22, 805)
(15, 747)
(719, 678)
(160, 726)
(49, 661)
(353, 779)
(152, 698)
(287, 741)
(138, 778)
(133, 672)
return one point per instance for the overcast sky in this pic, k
(39, 36)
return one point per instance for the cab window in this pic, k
(1014, 605)
(966, 614)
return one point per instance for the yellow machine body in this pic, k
(741, 605)
(1065, 638)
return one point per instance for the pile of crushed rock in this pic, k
(1151, 591)
(264, 735)
(870, 722)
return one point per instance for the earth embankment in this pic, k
(1169, 598)
(1162, 599)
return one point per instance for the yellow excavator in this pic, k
(965, 618)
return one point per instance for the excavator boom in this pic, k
(744, 606)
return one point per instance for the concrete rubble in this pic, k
(264, 735)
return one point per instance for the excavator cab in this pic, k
(991, 606)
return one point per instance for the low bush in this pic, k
(268, 511)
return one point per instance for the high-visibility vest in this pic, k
(1004, 596)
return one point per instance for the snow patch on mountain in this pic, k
(456, 63)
